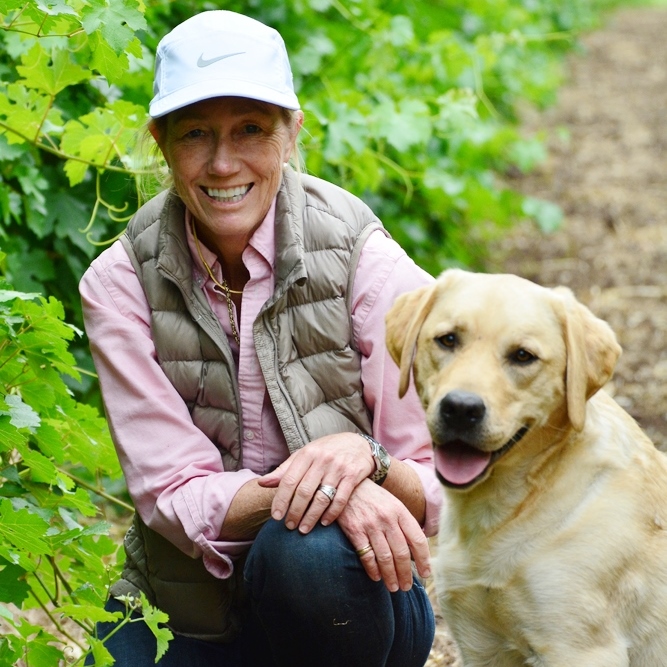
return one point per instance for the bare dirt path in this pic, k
(610, 178)
(608, 171)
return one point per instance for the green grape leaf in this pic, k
(79, 499)
(40, 653)
(346, 128)
(41, 468)
(7, 6)
(106, 61)
(23, 529)
(13, 586)
(155, 620)
(50, 72)
(50, 441)
(56, 8)
(26, 113)
(100, 653)
(116, 20)
(10, 437)
(20, 414)
(10, 295)
(457, 109)
(101, 136)
(401, 30)
(406, 126)
(89, 612)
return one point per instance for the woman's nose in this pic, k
(224, 157)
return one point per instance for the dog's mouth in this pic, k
(459, 465)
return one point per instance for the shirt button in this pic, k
(248, 434)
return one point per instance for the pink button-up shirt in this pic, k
(174, 473)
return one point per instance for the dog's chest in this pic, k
(483, 587)
(478, 580)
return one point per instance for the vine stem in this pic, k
(97, 490)
(55, 622)
(65, 156)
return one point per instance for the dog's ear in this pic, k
(403, 323)
(592, 352)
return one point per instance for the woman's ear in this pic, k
(153, 129)
(298, 122)
(294, 133)
(157, 130)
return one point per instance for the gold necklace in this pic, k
(222, 285)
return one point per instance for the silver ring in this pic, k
(365, 550)
(328, 491)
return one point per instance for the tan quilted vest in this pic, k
(304, 344)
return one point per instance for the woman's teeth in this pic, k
(229, 195)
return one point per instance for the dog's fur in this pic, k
(553, 551)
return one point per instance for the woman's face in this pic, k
(226, 156)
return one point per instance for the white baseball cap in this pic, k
(220, 53)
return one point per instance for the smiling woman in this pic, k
(238, 333)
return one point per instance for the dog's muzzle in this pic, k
(459, 463)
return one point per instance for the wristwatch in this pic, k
(382, 460)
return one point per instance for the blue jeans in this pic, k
(312, 604)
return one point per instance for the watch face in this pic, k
(382, 461)
(383, 456)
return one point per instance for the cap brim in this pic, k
(206, 90)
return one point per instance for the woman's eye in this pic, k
(252, 129)
(194, 134)
(522, 356)
(448, 340)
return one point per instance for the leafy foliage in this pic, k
(412, 105)
(55, 555)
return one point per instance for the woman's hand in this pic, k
(374, 517)
(340, 461)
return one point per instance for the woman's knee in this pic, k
(285, 550)
(294, 558)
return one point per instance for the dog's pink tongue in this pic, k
(459, 463)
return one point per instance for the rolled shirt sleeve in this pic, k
(174, 473)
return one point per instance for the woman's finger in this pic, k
(401, 557)
(305, 494)
(366, 554)
(292, 476)
(326, 509)
(384, 558)
(418, 544)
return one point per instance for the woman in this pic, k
(237, 329)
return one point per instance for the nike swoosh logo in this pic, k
(202, 62)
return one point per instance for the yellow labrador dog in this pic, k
(553, 541)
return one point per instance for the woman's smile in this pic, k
(229, 195)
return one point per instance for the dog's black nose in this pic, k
(462, 410)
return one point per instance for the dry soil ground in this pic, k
(610, 178)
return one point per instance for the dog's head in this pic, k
(495, 359)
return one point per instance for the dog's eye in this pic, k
(522, 356)
(448, 340)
